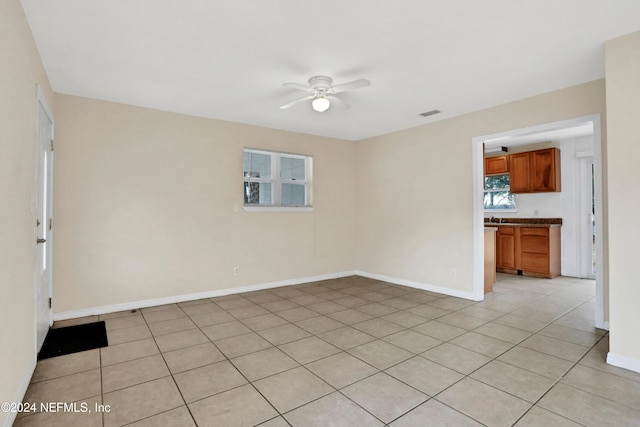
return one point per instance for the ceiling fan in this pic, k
(323, 94)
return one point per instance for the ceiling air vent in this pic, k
(429, 113)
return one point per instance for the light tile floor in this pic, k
(349, 352)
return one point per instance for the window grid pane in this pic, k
(293, 195)
(257, 193)
(292, 168)
(257, 165)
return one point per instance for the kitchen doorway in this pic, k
(591, 221)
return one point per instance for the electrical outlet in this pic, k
(236, 271)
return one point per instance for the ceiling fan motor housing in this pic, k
(320, 82)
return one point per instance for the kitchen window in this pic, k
(276, 180)
(497, 196)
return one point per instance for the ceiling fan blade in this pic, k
(299, 87)
(297, 101)
(338, 103)
(350, 85)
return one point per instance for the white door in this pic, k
(587, 218)
(44, 219)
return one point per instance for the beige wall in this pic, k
(415, 187)
(623, 107)
(20, 71)
(145, 200)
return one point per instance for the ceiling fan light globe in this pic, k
(321, 104)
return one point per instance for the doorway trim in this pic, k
(41, 104)
(478, 212)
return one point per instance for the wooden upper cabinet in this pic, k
(496, 165)
(535, 171)
(519, 173)
(545, 170)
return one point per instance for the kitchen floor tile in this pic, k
(134, 333)
(377, 327)
(605, 385)
(350, 316)
(318, 325)
(309, 349)
(588, 409)
(66, 365)
(265, 321)
(241, 406)
(351, 351)
(128, 351)
(69, 388)
(424, 375)
(384, 396)
(457, 358)
(482, 344)
(380, 354)
(511, 379)
(333, 410)
(503, 332)
(539, 363)
(554, 347)
(126, 374)
(141, 401)
(346, 337)
(175, 417)
(242, 344)
(192, 357)
(537, 416)
(484, 403)
(202, 382)
(290, 389)
(434, 414)
(439, 330)
(225, 330)
(412, 341)
(263, 363)
(178, 340)
(284, 334)
(341, 369)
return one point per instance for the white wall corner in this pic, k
(623, 362)
(419, 285)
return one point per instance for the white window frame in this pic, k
(499, 190)
(276, 182)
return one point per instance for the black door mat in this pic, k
(73, 339)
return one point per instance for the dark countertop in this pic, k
(524, 222)
(515, 224)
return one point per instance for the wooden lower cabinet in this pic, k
(530, 251)
(505, 248)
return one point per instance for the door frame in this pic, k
(41, 104)
(478, 213)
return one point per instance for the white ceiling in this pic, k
(227, 59)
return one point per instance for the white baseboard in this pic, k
(22, 390)
(64, 315)
(623, 362)
(418, 285)
(603, 325)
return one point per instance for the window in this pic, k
(496, 194)
(276, 179)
